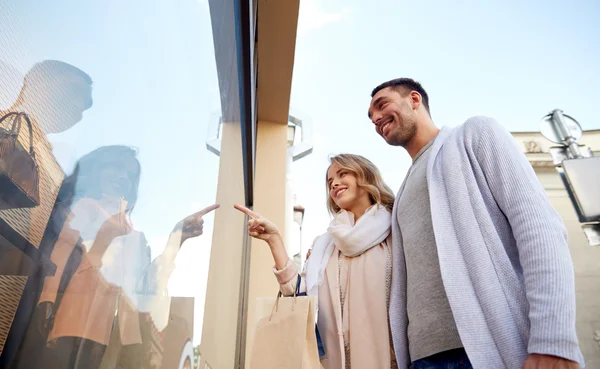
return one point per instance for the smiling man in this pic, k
(483, 277)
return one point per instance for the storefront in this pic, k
(105, 262)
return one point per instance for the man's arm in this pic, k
(540, 236)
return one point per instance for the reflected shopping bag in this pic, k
(19, 172)
(285, 338)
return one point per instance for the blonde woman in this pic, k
(349, 269)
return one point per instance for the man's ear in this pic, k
(415, 99)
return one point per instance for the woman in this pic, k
(349, 269)
(94, 299)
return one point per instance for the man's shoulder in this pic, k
(476, 127)
(478, 124)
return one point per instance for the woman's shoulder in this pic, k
(320, 244)
(86, 203)
(320, 238)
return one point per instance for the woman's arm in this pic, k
(159, 271)
(278, 251)
(263, 229)
(288, 279)
(115, 226)
(285, 270)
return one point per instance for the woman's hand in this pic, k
(259, 227)
(263, 229)
(115, 226)
(193, 225)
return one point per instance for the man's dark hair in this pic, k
(407, 83)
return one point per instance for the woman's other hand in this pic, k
(193, 225)
(115, 226)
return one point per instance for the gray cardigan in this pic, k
(503, 252)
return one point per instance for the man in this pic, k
(482, 270)
(55, 94)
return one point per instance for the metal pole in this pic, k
(568, 140)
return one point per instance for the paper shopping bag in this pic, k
(285, 338)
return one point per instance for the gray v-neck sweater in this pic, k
(431, 326)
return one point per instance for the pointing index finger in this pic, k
(246, 211)
(207, 210)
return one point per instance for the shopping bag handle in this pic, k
(16, 127)
(279, 295)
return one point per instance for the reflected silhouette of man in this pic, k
(55, 94)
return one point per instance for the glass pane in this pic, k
(105, 217)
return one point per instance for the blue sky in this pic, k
(512, 60)
(156, 87)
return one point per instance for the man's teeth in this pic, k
(385, 125)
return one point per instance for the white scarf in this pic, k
(351, 239)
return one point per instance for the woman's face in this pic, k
(118, 178)
(343, 188)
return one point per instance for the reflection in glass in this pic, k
(52, 99)
(55, 95)
(105, 276)
(88, 276)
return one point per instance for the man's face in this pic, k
(74, 98)
(393, 115)
(58, 103)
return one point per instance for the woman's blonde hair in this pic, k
(368, 179)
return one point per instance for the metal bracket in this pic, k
(592, 232)
(580, 199)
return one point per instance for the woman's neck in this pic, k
(359, 208)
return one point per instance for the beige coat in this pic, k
(124, 280)
(369, 347)
(88, 306)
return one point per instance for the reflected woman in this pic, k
(349, 269)
(97, 305)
